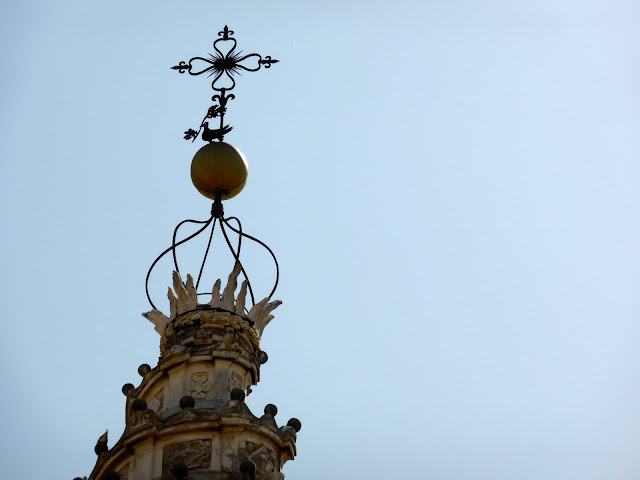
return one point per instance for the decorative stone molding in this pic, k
(205, 329)
(142, 419)
(224, 438)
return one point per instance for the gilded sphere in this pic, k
(219, 168)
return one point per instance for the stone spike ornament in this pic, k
(215, 295)
(187, 419)
(228, 296)
(242, 296)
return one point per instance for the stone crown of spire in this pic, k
(184, 298)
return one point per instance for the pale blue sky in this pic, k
(451, 189)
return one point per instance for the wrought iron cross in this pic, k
(224, 66)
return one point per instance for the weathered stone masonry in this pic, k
(188, 418)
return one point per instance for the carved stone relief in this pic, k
(235, 381)
(155, 403)
(196, 454)
(264, 460)
(199, 385)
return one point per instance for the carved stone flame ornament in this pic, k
(185, 299)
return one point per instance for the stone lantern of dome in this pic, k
(187, 418)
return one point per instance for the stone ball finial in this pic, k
(112, 475)
(295, 423)
(139, 405)
(144, 369)
(262, 357)
(248, 467)
(180, 470)
(187, 402)
(219, 168)
(271, 409)
(237, 394)
(101, 447)
(101, 444)
(127, 388)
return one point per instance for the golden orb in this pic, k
(219, 167)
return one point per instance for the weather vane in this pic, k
(219, 171)
(221, 65)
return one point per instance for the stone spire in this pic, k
(187, 419)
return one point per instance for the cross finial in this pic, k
(225, 63)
